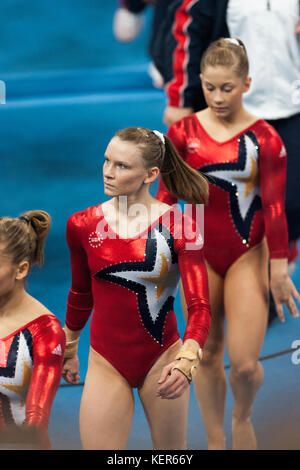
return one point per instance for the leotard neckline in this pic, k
(236, 136)
(139, 235)
(23, 327)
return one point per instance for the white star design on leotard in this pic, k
(15, 387)
(154, 280)
(246, 180)
(160, 283)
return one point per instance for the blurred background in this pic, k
(69, 86)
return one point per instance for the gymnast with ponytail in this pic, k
(246, 237)
(127, 255)
(32, 341)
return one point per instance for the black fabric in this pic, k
(289, 129)
(208, 24)
(135, 6)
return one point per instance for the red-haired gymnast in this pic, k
(126, 258)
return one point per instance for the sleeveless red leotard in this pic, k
(246, 177)
(30, 373)
(131, 284)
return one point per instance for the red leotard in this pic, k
(131, 284)
(247, 189)
(30, 372)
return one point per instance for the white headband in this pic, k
(160, 136)
(233, 41)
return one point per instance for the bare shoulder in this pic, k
(162, 207)
(29, 310)
(34, 308)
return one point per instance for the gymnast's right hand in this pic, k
(70, 371)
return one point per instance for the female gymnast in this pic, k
(126, 258)
(32, 340)
(244, 228)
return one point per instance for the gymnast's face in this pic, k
(10, 272)
(7, 272)
(223, 90)
(124, 172)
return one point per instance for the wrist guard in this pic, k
(188, 357)
(71, 349)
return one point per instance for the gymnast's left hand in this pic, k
(172, 383)
(284, 292)
(70, 371)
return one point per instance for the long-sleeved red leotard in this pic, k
(30, 373)
(131, 284)
(246, 176)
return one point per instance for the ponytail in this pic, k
(39, 226)
(180, 179)
(24, 237)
